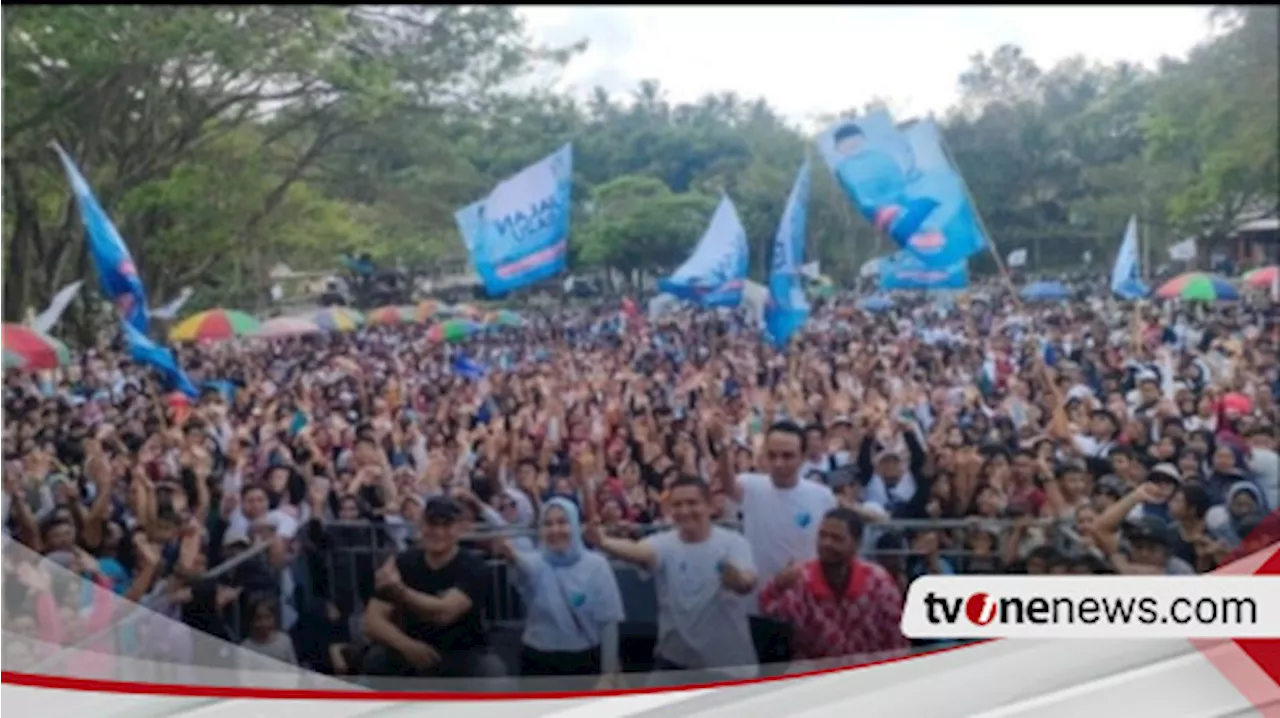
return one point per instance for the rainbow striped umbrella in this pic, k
(454, 330)
(503, 318)
(468, 311)
(429, 308)
(214, 324)
(287, 327)
(26, 348)
(1197, 287)
(1262, 278)
(388, 316)
(338, 319)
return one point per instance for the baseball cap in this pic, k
(1165, 472)
(285, 526)
(1148, 528)
(1110, 484)
(442, 508)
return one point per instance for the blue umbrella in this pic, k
(876, 303)
(1045, 292)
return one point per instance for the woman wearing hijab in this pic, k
(574, 604)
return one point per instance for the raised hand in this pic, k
(388, 577)
(790, 576)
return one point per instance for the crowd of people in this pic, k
(358, 489)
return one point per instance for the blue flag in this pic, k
(788, 307)
(1126, 274)
(224, 387)
(715, 273)
(903, 271)
(519, 234)
(145, 351)
(117, 275)
(903, 183)
(468, 368)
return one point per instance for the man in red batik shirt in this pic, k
(838, 605)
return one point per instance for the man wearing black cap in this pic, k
(1150, 541)
(1147, 543)
(426, 616)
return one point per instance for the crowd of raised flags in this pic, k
(899, 177)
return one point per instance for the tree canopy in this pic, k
(225, 139)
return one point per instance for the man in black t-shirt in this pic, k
(426, 617)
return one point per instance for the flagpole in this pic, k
(1050, 387)
(1144, 240)
(982, 225)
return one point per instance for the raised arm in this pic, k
(640, 553)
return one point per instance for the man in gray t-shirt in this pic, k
(703, 576)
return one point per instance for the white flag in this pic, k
(1183, 251)
(870, 269)
(1088, 256)
(170, 310)
(50, 316)
(662, 304)
(810, 271)
(1017, 258)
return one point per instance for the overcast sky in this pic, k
(809, 61)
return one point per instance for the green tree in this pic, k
(1213, 125)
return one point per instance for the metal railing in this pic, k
(126, 616)
(362, 546)
(352, 551)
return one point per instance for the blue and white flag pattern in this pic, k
(788, 307)
(904, 184)
(117, 274)
(903, 271)
(519, 234)
(713, 275)
(145, 351)
(1126, 274)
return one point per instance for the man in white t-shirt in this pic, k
(704, 579)
(780, 512)
(780, 517)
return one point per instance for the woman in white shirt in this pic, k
(574, 604)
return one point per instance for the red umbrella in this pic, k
(26, 348)
(1262, 278)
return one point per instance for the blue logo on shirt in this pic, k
(803, 519)
(577, 599)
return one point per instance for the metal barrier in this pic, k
(357, 548)
(124, 629)
(350, 553)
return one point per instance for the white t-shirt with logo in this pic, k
(782, 524)
(702, 624)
